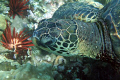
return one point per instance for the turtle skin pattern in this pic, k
(79, 11)
(66, 35)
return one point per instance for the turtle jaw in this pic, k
(38, 44)
(35, 38)
(43, 41)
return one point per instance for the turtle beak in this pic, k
(44, 40)
(38, 44)
(47, 40)
(34, 39)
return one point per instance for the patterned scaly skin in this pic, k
(78, 11)
(68, 37)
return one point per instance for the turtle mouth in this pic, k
(44, 40)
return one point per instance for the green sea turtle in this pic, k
(81, 29)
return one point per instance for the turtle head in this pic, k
(42, 37)
(44, 40)
(55, 37)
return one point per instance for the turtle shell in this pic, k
(111, 17)
(77, 10)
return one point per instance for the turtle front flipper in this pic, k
(111, 17)
(82, 11)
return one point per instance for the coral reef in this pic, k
(7, 64)
(39, 56)
(2, 24)
(20, 24)
(27, 72)
(41, 9)
(3, 8)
